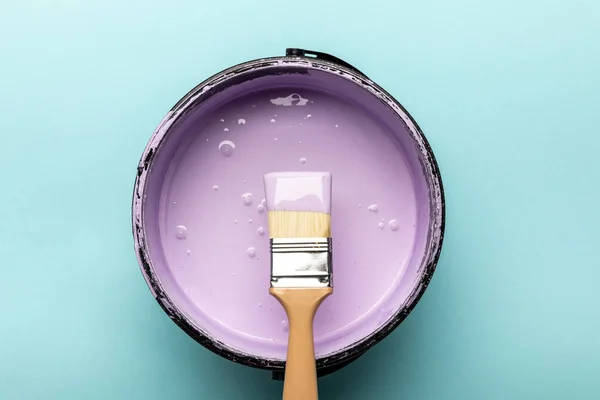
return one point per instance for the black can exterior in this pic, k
(334, 362)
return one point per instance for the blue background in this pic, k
(508, 93)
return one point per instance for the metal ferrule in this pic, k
(301, 262)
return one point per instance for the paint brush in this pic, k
(299, 213)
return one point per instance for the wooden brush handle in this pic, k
(300, 381)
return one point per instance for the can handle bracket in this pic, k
(295, 52)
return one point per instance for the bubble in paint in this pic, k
(272, 120)
(394, 225)
(260, 208)
(188, 252)
(180, 232)
(251, 251)
(241, 121)
(284, 326)
(274, 139)
(226, 147)
(226, 130)
(303, 160)
(250, 221)
(381, 225)
(222, 120)
(247, 198)
(263, 202)
(309, 116)
(235, 221)
(261, 231)
(215, 188)
(373, 208)
(336, 125)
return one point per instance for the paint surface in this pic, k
(208, 183)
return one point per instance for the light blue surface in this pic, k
(508, 93)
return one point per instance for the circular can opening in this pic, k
(199, 221)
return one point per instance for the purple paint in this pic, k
(360, 140)
(298, 191)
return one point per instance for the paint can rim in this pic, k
(221, 80)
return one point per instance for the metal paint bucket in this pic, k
(189, 234)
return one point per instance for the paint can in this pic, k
(197, 213)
